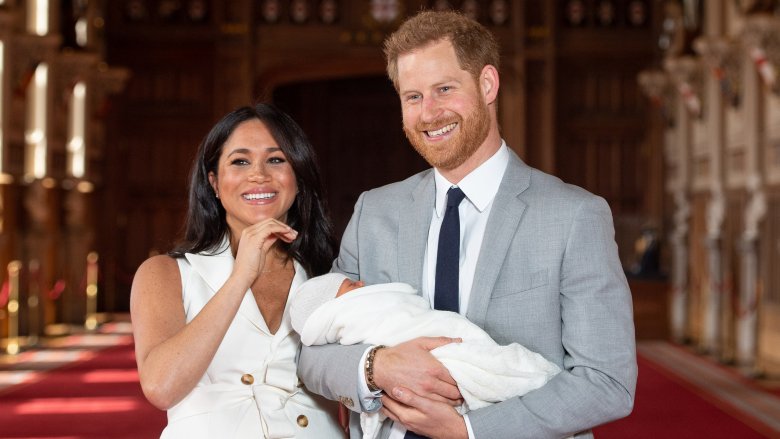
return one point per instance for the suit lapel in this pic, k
(413, 228)
(505, 216)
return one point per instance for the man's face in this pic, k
(445, 116)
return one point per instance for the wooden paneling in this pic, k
(362, 147)
(166, 110)
(732, 233)
(698, 276)
(651, 308)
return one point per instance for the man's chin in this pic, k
(441, 161)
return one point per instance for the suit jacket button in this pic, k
(303, 421)
(247, 379)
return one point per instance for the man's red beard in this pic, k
(471, 133)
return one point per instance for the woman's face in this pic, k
(254, 180)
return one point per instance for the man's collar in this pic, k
(480, 185)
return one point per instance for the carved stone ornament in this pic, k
(575, 12)
(385, 11)
(271, 10)
(471, 9)
(723, 58)
(657, 86)
(654, 84)
(605, 13)
(299, 11)
(169, 10)
(329, 11)
(686, 75)
(761, 36)
(197, 10)
(636, 15)
(672, 38)
(499, 12)
(441, 5)
(135, 10)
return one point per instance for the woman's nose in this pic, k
(258, 173)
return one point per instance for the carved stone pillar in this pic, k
(721, 56)
(759, 32)
(684, 73)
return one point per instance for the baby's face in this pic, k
(349, 285)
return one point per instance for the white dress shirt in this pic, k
(480, 187)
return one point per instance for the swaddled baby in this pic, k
(335, 309)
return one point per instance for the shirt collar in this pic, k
(480, 185)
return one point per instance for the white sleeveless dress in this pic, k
(251, 388)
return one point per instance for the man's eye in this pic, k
(445, 89)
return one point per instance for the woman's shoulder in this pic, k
(157, 269)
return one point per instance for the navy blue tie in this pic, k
(446, 296)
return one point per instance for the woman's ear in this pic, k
(213, 183)
(488, 83)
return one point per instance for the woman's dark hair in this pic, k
(315, 246)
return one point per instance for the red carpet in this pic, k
(665, 408)
(94, 398)
(99, 397)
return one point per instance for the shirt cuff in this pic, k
(468, 426)
(369, 401)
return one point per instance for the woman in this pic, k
(213, 339)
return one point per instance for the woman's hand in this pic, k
(255, 243)
(172, 354)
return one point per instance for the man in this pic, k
(535, 260)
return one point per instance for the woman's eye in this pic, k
(239, 162)
(276, 160)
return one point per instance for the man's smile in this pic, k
(442, 131)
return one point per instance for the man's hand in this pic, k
(424, 416)
(412, 366)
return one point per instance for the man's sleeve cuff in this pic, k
(369, 401)
(468, 426)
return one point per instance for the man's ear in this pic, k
(488, 83)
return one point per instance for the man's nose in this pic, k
(430, 109)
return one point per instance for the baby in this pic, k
(392, 313)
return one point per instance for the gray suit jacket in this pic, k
(548, 277)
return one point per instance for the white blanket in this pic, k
(393, 313)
